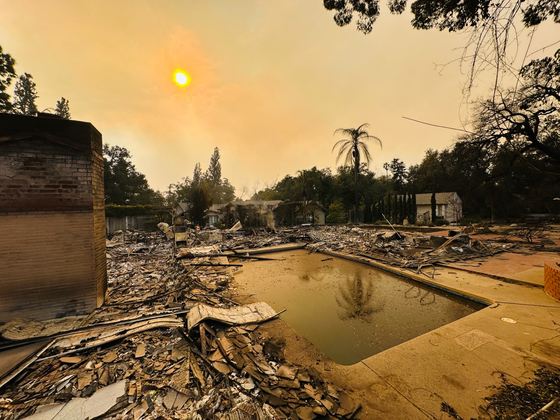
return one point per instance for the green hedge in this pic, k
(113, 210)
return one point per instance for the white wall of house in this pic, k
(320, 217)
(451, 209)
(423, 214)
(454, 211)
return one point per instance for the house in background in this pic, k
(291, 213)
(449, 207)
(251, 213)
(214, 213)
(270, 213)
(181, 213)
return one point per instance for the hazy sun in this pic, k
(181, 78)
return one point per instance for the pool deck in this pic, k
(461, 362)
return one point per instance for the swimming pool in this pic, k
(349, 310)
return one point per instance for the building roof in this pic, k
(267, 203)
(314, 204)
(441, 198)
(216, 208)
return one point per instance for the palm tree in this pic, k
(356, 298)
(353, 148)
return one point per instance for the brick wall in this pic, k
(47, 265)
(38, 175)
(552, 282)
(98, 205)
(52, 218)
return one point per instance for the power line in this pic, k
(439, 126)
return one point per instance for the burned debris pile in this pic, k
(405, 250)
(411, 250)
(170, 343)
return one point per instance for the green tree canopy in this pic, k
(124, 185)
(25, 91)
(203, 190)
(214, 172)
(451, 15)
(337, 215)
(197, 175)
(25, 94)
(326, 188)
(318, 185)
(493, 26)
(219, 189)
(398, 169)
(7, 74)
(63, 108)
(200, 202)
(525, 119)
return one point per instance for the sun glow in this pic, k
(181, 78)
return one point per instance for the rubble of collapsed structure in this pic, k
(172, 341)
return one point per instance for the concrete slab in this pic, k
(83, 408)
(522, 267)
(533, 275)
(430, 370)
(60, 411)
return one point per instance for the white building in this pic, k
(449, 207)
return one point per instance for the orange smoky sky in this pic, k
(270, 81)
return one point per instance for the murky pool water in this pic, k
(349, 310)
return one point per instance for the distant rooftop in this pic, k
(441, 198)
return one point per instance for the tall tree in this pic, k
(352, 149)
(63, 108)
(178, 192)
(124, 185)
(214, 172)
(197, 175)
(25, 94)
(317, 184)
(526, 119)
(398, 169)
(7, 73)
(219, 189)
(201, 201)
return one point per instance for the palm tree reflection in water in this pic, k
(356, 299)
